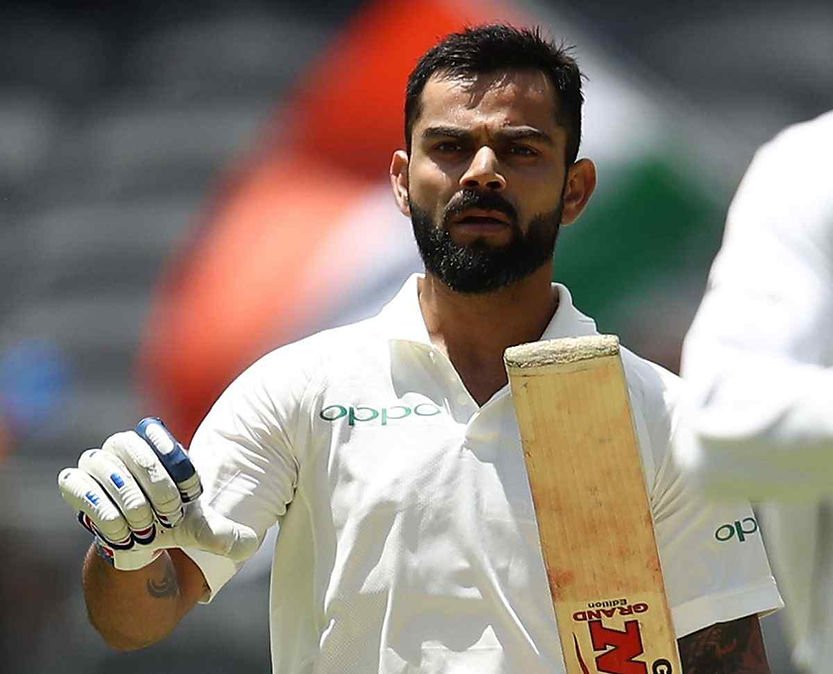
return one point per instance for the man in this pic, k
(387, 451)
(758, 359)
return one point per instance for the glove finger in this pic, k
(123, 490)
(173, 456)
(141, 462)
(88, 497)
(206, 529)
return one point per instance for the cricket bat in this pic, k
(594, 517)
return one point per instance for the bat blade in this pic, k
(594, 518)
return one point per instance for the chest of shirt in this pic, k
(401, 432)
(438, 454)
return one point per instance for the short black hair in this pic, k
(490, 48)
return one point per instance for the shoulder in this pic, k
(792, 232)
(323, 349)
(650, 384)
(268, 399)
(799, 155)
(655, 393)
(812, 138)
(312, 361)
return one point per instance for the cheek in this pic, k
(541, 194)
(431, 189)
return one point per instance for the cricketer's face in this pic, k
(486, 178)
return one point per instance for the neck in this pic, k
(473, 330)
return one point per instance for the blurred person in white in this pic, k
(387, 451)
(759, 363)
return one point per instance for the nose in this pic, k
(483, 172)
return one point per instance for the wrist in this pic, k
(125, 560)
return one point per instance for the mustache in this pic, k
(487, 201)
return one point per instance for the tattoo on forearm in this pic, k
(735, 647)
(166, 586)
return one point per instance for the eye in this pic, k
(448, 147)
(522, 151)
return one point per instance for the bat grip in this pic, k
(173, 457)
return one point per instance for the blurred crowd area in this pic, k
(124, 125)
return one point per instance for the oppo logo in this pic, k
(363, 414)
(739, 529)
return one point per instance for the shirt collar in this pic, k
(401, 318)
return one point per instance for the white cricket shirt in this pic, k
(758, 363)
(407, 539)
(758, 357)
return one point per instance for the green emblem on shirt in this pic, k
(362, 414)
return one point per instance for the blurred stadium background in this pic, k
(184, 186)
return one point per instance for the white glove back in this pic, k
(125, 495)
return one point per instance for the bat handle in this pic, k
(173, 457)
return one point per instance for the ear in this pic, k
(399, 181)
(581, 181)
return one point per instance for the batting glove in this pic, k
(140, 494)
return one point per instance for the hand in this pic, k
(140, 494)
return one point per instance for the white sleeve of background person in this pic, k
(713, 559)
(244, 451)
(757, 358)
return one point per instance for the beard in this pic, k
(479, 267)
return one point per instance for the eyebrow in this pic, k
(508, 133)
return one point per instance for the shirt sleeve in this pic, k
(713, 559)
(244, 452)
(758, 418)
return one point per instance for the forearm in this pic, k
(133, 609)
(735, 647)
(125, 493)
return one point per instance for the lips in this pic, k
(481, 217)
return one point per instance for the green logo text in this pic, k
(362, 414)
(739, 529)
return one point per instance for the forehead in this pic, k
(505, 98)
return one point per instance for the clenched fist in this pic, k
(140, 494)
